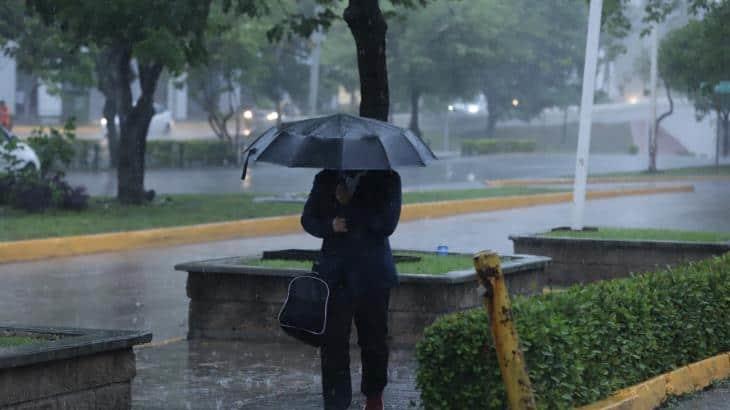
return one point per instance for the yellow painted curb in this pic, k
(652, 393)
(605, 180)
(35, 249)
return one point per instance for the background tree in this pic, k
(142, 38)
(43, 52)
(221, 84)
(694, 60)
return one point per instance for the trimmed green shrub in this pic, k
(191, 153)
(633, 149)
(585, 343)
(494, 146)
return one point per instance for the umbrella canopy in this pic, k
(340, 141)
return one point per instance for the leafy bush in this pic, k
(34, 191)
(582, 344)
(168, 154)
(494, 146)
(55, 148)
(633, 149)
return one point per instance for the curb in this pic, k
(604, 180)
(653, 392)
(35, 249)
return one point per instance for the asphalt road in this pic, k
(451, 172)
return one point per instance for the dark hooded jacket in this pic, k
(360, 258)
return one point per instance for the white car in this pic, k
(22, 152)
(160, 126)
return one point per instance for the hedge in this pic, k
(494, 146)
(584, 343)
(162, 154)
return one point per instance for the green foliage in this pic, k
(694, 58)
(582, 344)
(495, 146)
(54, 147)
(645, 234)
(190, 153)
(633, 149)
(35, 191)
(430, 264)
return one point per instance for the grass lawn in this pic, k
(430, 264)
(105, 215)
(12, 341)
(645, 234)
(676, 172)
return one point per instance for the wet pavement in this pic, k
(237, 375)
(715, 398)
(140, 290)
(451, 172)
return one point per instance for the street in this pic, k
(450, 173)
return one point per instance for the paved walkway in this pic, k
(139, 289)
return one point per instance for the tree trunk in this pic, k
(134, 120)
(112, 134)
(726, 129)
(108, 83)
(491, 124)
(654, 141)
(368, 27)
(415, 99)
(492, 116)
(564, 136)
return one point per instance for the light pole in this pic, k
(586, 111)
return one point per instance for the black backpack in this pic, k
(304, 313)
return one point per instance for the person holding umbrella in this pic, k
(354, 207)
(355, 212)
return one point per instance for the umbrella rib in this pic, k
(385, 152)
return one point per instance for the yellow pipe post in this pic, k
(511, 360)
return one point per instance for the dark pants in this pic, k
(370, 312)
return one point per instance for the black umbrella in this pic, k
(342, 142)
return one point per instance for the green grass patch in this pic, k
(677, 172)
(106, 215)
(12, 341)
(450, 195)
(430, 264)
(644, 234)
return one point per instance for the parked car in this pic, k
(23, 153)
(160, 126)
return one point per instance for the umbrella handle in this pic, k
(245, 162)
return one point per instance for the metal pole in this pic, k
(653, 87)
(586, 110)
(506, 343)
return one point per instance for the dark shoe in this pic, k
(374, 403)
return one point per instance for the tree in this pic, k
(142, 38)
(694, 60)
(520, 55)
(368, 27)
(219, 85)
(42, 51)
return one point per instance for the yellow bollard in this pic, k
(511, 360)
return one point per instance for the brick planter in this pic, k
(579, 260)
(229, 300)
(72, 369)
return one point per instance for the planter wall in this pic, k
(586, 260)
(80, 369)
(229, 300)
